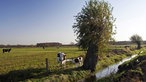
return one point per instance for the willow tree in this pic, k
(94, 28)
(136, 39)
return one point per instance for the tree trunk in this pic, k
(138, 45)
(91, 58)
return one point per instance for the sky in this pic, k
(35, 21)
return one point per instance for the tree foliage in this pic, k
(94, 24)
(136, 39)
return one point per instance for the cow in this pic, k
(78, 61)
(6, 50)
(61, 58)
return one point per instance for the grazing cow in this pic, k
(6, 50)
(61, 58)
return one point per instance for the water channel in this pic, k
(106, 71)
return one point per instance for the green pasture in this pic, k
(24, 58)
(28, 64)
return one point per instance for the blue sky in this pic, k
(34, 21)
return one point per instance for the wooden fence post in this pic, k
(47, 65)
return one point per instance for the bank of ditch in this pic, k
(130, 71)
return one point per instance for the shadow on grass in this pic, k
(22, 75)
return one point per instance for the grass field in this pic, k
(28, 65)
(31, 61)
(23, 58)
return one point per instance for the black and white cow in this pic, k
(61, 58)
(78, 61)
(6, 50)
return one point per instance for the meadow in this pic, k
(28, 65)
(30, 62)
